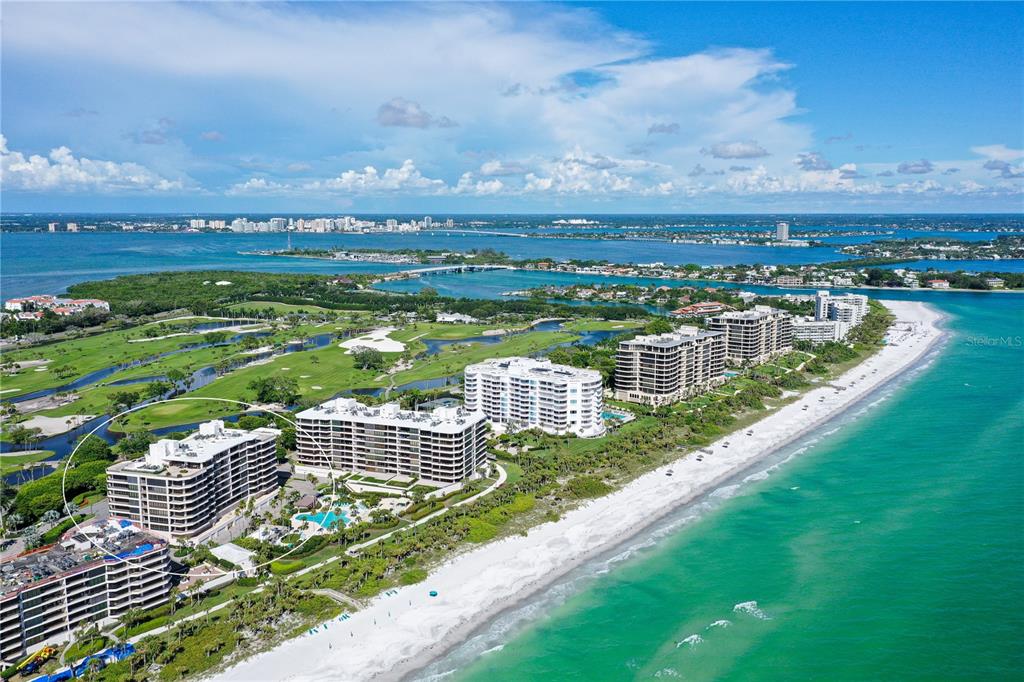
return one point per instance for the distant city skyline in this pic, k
(451, 109)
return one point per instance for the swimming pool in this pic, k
(328, 519)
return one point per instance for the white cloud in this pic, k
(401, 113)
(496, 167)
(260, 186)
(368, 181)
(920, 167)
(468, 184)
(749, 149)
(212, 136)
(999, 152)
(812, 161)
(63, 171)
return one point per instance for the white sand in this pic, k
(51, 426)
(404, 631)
(378, 339)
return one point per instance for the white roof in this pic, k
(200, 447)
(529, 368)
(443, 419)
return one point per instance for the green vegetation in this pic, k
(587, 486)
(85, 647)
(11, 462)
(86, 473)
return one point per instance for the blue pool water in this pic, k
(328, 519)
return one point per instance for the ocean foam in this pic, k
(751, 608)
(720, 624)
(692, 640)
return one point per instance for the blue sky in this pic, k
(607, 107)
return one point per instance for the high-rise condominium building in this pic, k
(182, 487)
(782, 231)
(819, 331)
(92, 575)
(445, 445)
(658, 369)
(848, 308)
(523, 393)
(754, 335)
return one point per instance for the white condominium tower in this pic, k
(523, 393)
(754, 335)
(91, 575)
(848, 308)
(181, 488)
(782, 231)
(658, 369)
(445, 445)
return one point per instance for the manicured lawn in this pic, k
(328, 368)
(453, 360)
(602, 325)
(11, 462)
(281, 308)
(332, 371)
(82, 356)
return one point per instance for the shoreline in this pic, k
(477, 585)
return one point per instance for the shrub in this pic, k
(587, 486)
(480, 531)
(411, 577)
(285, 567)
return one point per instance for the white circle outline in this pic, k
(250, 406)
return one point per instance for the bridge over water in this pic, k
(450, 269)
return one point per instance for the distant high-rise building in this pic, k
(427, 222)
(782, 231)
(278, 223)
(72, 227)
(53, 227)
(392, 223)
(449, 223)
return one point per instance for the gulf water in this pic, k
(889, 546)
(44, 263)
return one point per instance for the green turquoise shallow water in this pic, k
(891, 549)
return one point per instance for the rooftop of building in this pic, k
(681, 335)
(442, 419)
(91, 544)
(530, 368)
(182, 456)
(756, 313)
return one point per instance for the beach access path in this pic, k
(405, 629)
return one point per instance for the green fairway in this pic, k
(321, 374)
(587, 325)
(11, 462)
(282, 308)
(70, 360)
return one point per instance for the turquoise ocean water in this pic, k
(890, 546)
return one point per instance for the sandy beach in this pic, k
(403, 631)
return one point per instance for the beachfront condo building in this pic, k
(819, 331)
(523, 393)
(754, 335)
(658, 369)
(181, 488)
(445, 445)
(848, 308)
(91, 575)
